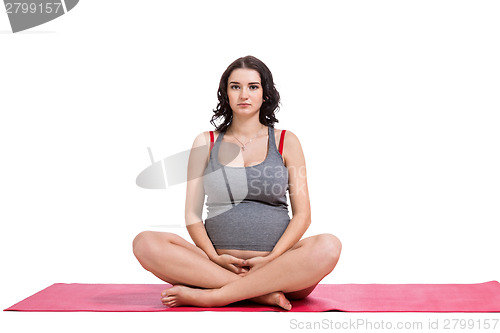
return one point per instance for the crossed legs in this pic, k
(180, 263)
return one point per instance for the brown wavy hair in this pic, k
(271, 96)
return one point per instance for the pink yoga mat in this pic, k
(480, 297)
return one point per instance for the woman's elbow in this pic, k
(306, 220)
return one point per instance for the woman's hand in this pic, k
(231, 263)
(256, 262)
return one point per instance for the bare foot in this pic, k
(275, 298)
(180, 295)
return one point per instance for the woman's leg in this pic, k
(176, 261)
(298, 269)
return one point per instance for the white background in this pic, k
(396, 104)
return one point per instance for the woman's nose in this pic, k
(243, 93)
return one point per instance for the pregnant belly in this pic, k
(247, 230)
(243, 254)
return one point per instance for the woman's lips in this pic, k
(244, 104)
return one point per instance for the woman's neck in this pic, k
(245, 128)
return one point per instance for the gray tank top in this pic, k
(246, 206)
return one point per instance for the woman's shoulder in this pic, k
(289, 137)
(291, 145)
(203, 138)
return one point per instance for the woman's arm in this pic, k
(299, 196)
(195, 198)
(195, 194)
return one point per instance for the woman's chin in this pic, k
(244, 112)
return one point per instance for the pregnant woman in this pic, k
(248, 247)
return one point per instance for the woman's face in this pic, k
(245, 91)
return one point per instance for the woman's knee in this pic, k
(145, 243)
(140, 242)
(327, 247)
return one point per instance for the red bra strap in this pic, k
(211, 140)
(282, 139)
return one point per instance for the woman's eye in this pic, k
(251, 87)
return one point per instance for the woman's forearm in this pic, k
(295, 230)
(199, 236)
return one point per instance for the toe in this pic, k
(284, 302)
(167, 291)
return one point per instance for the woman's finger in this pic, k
(233, 268)
(239, 261)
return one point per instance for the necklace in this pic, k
(244, 144)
